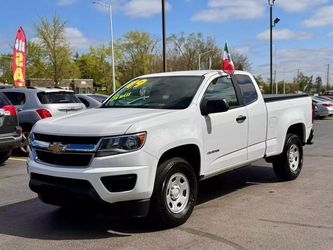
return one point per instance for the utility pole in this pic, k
(271, 26)
(163, 35)
(271, 45)
(328, 77)
(276, 84)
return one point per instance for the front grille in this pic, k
(67, 139)
(64, 159)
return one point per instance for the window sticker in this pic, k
(136, 83)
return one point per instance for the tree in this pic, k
(36, 66)
(241, 61)
(6, 75)
(138, 50)
(184, 51)
(57, 51)
(301, 81)
(95, 65)
(319, 84)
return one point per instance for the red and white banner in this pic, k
(19, 59)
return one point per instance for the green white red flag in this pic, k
(227, 65)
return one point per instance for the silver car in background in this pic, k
(34, 104)
(324, 107)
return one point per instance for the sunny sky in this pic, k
(303, 37)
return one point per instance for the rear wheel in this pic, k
(288, 165)
(4, 156)
(175, 192)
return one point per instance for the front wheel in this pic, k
(288, 165)
(175, 192)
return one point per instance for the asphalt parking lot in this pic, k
(244, 209)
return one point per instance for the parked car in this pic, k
(320, 111)
(98, 97)
(88, 101)
(34, 104)
(329, 93)
(10, 132)
(323, 105)
(148, 145)
(326, 98)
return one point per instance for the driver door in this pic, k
(225, 133)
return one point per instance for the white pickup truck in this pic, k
(148, 145)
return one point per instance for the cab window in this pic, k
(223, 88)
(247, 88)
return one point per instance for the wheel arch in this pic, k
(299, 130)
(189, 152)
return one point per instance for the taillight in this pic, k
(314, 109)
(9, 110)
(327, 104)
(43, 113)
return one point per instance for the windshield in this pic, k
(173, 92)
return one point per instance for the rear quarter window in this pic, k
(57, 97)
(4, 100)
(16, 98)
(247, 88)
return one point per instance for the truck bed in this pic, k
(280, 97)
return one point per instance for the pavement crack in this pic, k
(211, 237)
(298, 224)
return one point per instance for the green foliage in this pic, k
(36, 66)
(6, 75)
(184, 51)
(138, 54)
(95, 65)
(57, 52)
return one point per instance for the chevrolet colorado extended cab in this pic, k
(148, 145)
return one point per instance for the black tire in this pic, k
(163, 211)
(286, 166)
(4, 156)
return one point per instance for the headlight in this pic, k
(121, 144)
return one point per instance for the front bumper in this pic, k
(59, 185)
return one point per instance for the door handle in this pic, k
(241, 118)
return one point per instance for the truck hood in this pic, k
(97, 122)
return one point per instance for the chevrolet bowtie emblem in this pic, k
(57, 147)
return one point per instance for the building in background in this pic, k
(81, 86)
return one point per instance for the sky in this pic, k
(303, 39)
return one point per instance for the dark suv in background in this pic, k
(34, 104)
(10, 132)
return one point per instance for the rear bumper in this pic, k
(10, 142)
(80, 193)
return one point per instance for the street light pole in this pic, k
(112, 51)
(163, 35)
(271, 26)
(271, 3)
(111, 41)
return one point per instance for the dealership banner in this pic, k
(19, 59)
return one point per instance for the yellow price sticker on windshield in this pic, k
(136, 83)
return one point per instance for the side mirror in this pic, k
(213, 105)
